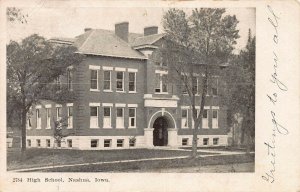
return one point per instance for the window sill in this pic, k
(215, 127)
(94, 90)
(107, 127)
(132, 92)
(162, 93)
(131, 127)
(120, 127)
(48, 128)
(69, 127)
(107, 91)
(38, 128)
(120, 91)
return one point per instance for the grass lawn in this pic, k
(219, 148)
(155, 166)
(48, 157)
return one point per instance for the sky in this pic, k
(70, 22)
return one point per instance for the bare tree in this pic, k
(199, 43)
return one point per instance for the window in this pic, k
(157, 83)
(183, 85)
(94, 143)
(132, 80)
(132, 142)
(69, 141)
(48, 144)
(120, 81)
(195, 85)
(94, 117)
(120, 117)
(70, 116)
(161, 83)
(58, 113)
(132, 117)
(164, 83)
(184, 118)
(58, 83)
(107, 117)
(70, 79)
(120, 142)
(38, 119)
(193, 122)
(38, 143)
(28, 142)
(28, 123)
(215, 141)
(214, 87)
(58, 143)
(207, 88)
(107, 81)
(205, 141)
(205, 119)
(94, 79)
(185, 141)
(162, 62)
(48, 119)
(214, 118)
(107, 142)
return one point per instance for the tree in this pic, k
(15, 14)
(201, 42)
(32, 66)
(240, 96)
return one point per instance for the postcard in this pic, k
(150, 96)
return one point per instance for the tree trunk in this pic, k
(194, 144)
(233, 135)
(23, 131)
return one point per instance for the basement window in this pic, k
(107, 142)
(215, 141)
(94, 143)
(38, 143)
(70, 144)
(185, 141)
(205, 141)
(131, 142)
(28, 142)
(120, 142)
(48, 144)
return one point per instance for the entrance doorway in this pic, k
(160, 132)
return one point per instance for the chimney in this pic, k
(150, 30)
(87, 29)
(121, 30)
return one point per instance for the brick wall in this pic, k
(85, 96)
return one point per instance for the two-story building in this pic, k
(124, 98)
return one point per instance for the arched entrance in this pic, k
(160, 132)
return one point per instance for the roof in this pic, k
(107, 43)
(146, 40)
(62, 40)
